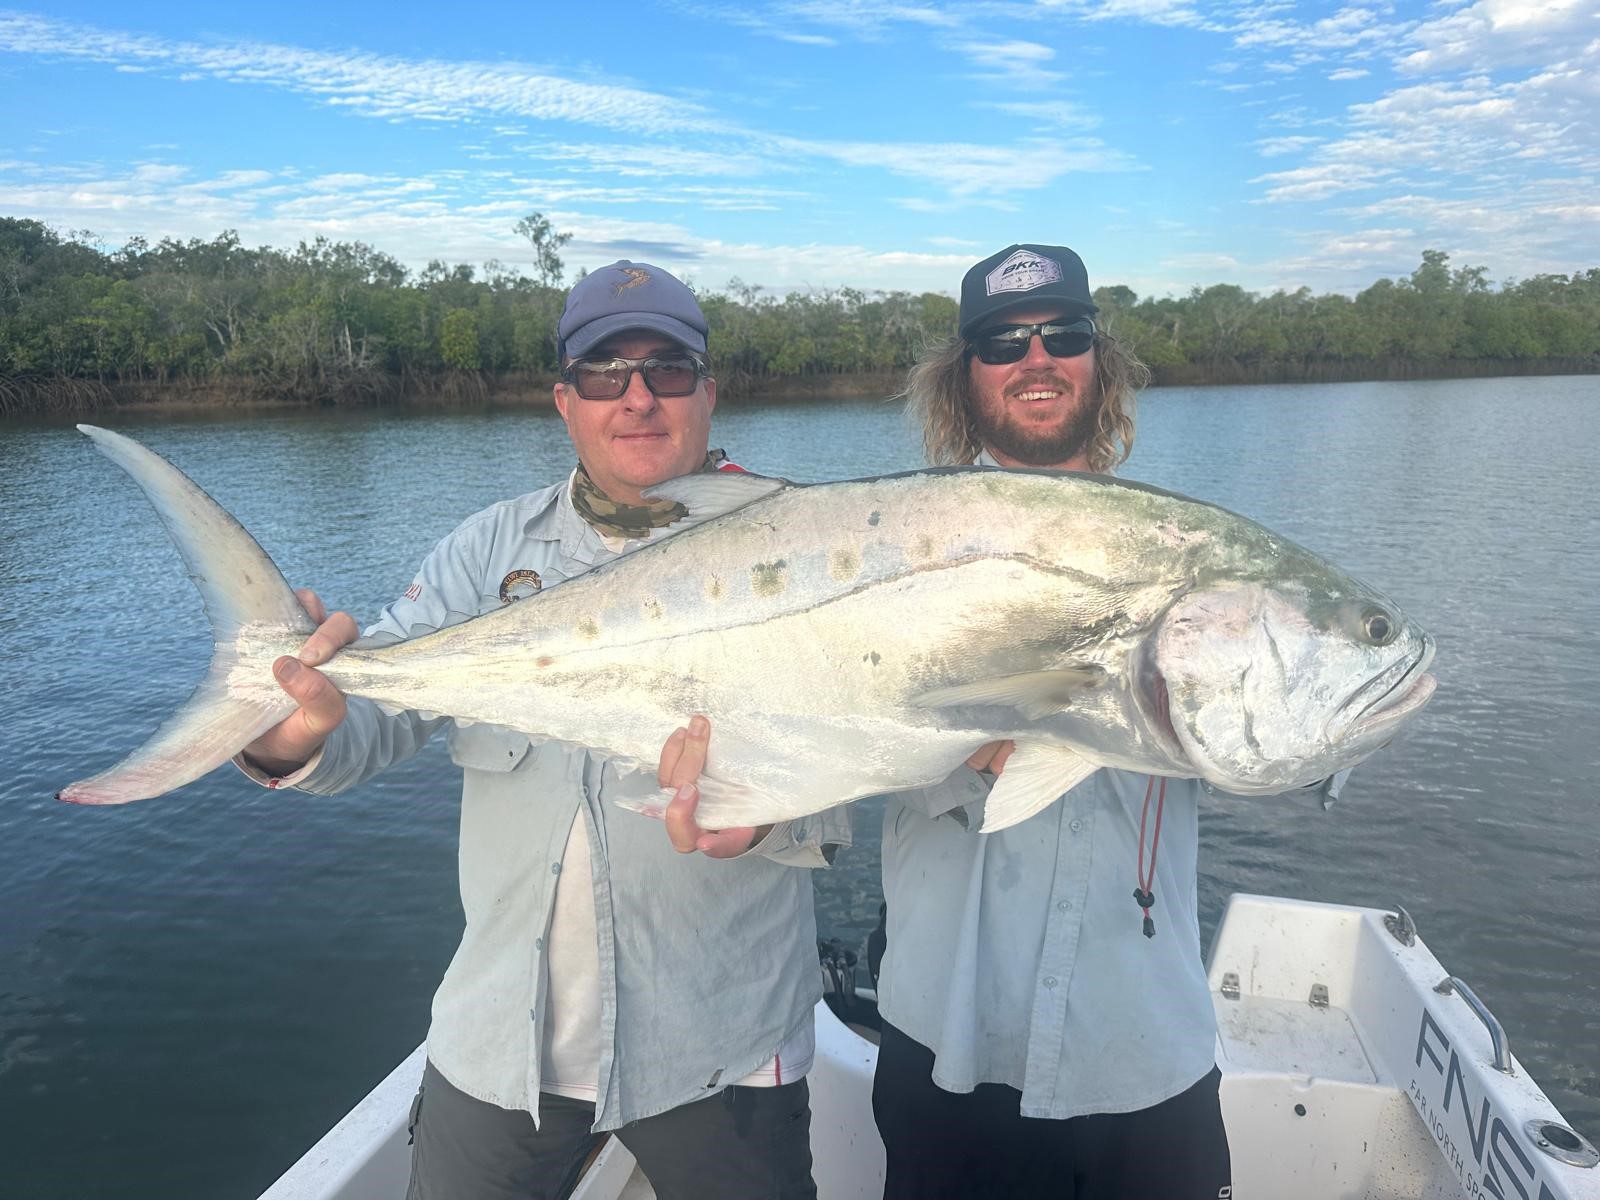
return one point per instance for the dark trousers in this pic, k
(743, 1143)
(977, 1146)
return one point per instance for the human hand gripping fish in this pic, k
(292, 743)
(682, 759)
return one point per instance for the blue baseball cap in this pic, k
(629, 295)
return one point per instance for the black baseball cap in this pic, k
(629, 295)
(1024, 276)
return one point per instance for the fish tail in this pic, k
(243, 592)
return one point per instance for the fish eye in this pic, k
(1379, 626)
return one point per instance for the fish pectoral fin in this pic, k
(722, 805)
(1035, 776)
(1035, 694)
(709, 494)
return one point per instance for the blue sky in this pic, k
(825, 143)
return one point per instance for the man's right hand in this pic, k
(289, 745)
(991, 757)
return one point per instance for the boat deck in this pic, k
(1353, 1067)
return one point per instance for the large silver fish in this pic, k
(858, 637)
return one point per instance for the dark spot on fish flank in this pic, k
(872, 657)
(768, 579)
(588, 629)
(653, 610)
(924, 547)
(844, 564)
(715, 587)
(874, 517)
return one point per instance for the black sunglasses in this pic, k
(608, 378)
(1009, 343)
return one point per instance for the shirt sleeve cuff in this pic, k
(293, 779)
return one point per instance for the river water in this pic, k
(193, 988)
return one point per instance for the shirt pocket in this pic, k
(491, 748)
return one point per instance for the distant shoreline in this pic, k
(474, 390)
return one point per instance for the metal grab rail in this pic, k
(1497, 1032)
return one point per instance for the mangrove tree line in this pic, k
(342, 321)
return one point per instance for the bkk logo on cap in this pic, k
(1023, 272)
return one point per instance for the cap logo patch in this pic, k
(1022, 272)
(519, 585)
(414, 591)
(635, 277)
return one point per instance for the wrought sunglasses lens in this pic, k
(1066, 341)
(671, 376)
(998, 348)
(602, 380)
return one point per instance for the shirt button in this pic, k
(1049, 981)
(1064, 905)
(538, 943)
(555, 868)
(1076, 826)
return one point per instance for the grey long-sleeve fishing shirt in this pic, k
(706, 967)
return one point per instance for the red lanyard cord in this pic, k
(1144, 895)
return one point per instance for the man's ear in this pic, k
(711, 394)
(559, 391)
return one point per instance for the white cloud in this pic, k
(1344, 74)
(969, 171)
(1015, 63)
(1347, 30)
(1061, 115)
(1144, 12)
(1277, 146)
(1201, 262)
(368, 84)
(1319, 182)
(1499, 33)
(654, 160)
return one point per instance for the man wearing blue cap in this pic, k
(604, 982)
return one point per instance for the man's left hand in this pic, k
(682, 760)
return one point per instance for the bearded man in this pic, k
(1048, 1029)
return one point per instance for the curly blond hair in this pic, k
(939, 393)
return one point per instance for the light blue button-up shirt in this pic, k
(706, 967)
(1019, 957)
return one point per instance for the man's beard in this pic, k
(1040, 446)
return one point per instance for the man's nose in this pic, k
(638, 398)
(1037, 355)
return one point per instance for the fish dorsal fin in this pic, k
(709, 494)
(1035, 776)
(1035, 694)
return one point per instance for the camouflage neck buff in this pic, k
(615, 519)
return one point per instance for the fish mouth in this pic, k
(1391, 696)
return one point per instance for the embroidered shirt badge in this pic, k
(519, 585)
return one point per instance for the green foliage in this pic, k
(458, 340)
(328, 316)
